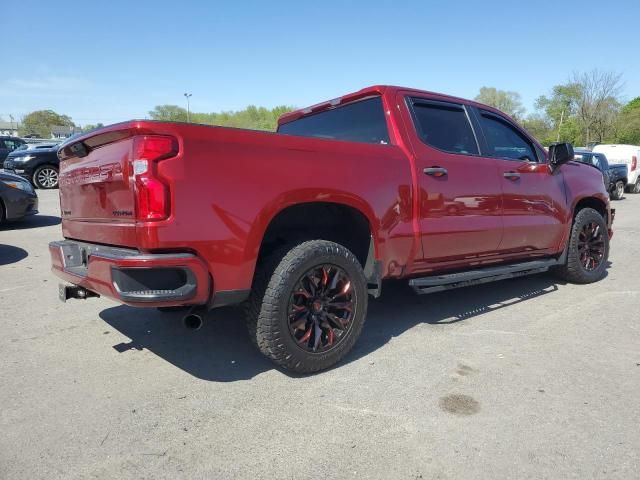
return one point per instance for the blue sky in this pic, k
(112, 61)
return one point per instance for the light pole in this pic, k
(187, 96)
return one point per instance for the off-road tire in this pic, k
(573, 271)
(266, 308)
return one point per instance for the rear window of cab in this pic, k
(360, 121)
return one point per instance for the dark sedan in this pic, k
(37, 163)
(17, 197)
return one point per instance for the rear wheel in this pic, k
(618, 190)
(635, 188)
(46, 177)
(308, 306)
(588, 248)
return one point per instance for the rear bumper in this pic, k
(131, 277)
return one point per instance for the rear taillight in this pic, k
(152, 194)
(634, 163)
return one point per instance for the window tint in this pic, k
(588, 158)
(504, 141)
(362, 121)
(11, 144)
(444, 126)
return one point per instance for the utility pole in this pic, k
(187, 96)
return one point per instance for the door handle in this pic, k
(436, 171)
(511, 175)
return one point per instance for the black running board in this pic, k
(438, 283)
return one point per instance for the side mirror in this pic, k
(559, 154)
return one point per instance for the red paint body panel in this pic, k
(226, 185)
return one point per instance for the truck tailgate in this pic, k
(97, 197)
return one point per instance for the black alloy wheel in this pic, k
(308, 305)
(321, 308)
(591, 246)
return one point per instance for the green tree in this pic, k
(628, 123)
(505, 101)
(632, 105)
(598, 104)
(561, 104)
(89, 127)
(585, 109)
(540, 127)
(252, 117)
(169, 113)
(39, 123)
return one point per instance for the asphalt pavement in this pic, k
(526, 378)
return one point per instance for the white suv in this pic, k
(628, 155)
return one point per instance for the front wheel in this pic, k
(588, 248)
(46, 177)
(618, 190)
(308, 306)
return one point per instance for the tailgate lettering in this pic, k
(109, 172)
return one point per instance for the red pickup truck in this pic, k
(303, 224)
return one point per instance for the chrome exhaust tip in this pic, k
(194, 319)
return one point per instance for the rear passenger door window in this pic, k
(443, 125)
(504, 140)
(360, 121)
(11, 145)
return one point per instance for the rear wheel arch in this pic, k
(337, 222)
(306, 219)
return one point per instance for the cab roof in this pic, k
(374, 90)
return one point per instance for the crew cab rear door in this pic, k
(459, 193)
(533, 198)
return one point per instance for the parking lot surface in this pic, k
(526, 378)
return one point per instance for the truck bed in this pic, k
(223, 185)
